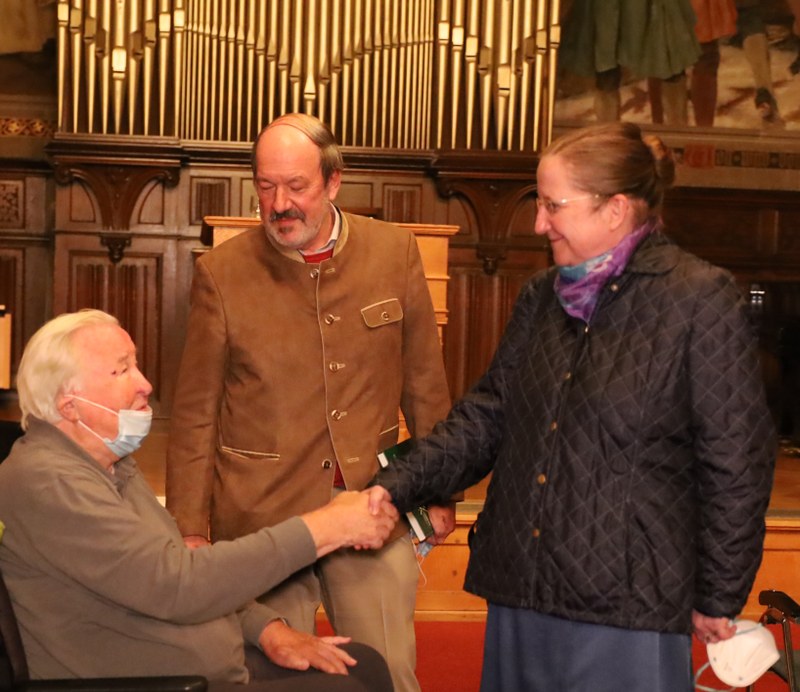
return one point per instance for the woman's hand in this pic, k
(710, 629)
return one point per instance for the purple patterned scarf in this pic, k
(578, 287)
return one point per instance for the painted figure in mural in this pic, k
(650, 39)
(716, 19)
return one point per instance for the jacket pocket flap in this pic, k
(385, 312)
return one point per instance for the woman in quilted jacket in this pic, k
(624, 422)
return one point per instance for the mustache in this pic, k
(288, 214)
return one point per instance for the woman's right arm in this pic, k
(461, 449)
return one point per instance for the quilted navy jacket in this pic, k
(632, 458)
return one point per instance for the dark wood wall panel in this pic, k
(25, 250)
(139, 290)
(756, 235)
(479, 306)
(12, 296)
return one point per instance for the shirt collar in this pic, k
(337, 226)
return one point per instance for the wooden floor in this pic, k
(785, 498)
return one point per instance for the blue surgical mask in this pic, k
(133, 428)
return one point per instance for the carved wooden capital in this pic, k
(491, 256)
(116, 244)
(116, 170)
(492, 183)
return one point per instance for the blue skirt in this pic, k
(526, 651)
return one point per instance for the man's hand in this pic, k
(195, 541)
(351, 519)
(443, 518)
(710, 629)
(300, 651)
(378, 496)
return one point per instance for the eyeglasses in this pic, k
(552, 206)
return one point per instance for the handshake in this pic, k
(353, 519)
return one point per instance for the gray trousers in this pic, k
(370, 674)
(368, 595)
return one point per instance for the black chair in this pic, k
(784, 611)
(10, 431)
(14, 667)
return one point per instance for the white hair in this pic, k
(50, 364)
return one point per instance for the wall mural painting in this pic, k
(681, 63)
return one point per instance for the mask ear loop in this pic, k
(421, 551)
(707, 664)
(707, 688)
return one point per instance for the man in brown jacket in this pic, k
(304, 339)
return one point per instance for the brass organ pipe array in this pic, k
(410, 74)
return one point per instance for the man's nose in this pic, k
(144, 384)
(281, 200)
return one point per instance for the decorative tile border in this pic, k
(12, 208)
(26, 127)
(709, 156)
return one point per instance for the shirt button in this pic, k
(314, 273)
(554, 426)
(327, 463)
(536, 533)
(541, 479)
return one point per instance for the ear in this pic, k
(620, 212)
(65, 405)
(334, 182)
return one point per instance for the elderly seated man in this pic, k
(101, 581)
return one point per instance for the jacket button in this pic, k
(536, 533)
(554, 426)
(567, 375)
(338, 415)
(385, 316)
(541, 479)
(314, 273)
(333, 366)
(330, 319)
(327, 463)
(586, 329)
(613, 288)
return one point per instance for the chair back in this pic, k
(13, 666)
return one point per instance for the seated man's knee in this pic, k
(371, 669)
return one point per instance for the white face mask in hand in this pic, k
(133, 427)
(742, 659)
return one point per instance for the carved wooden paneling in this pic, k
(756, 235)
(209, 197)
(480, 305)
(138, 290)
(402, 203)
(737, 228)
(12, 268)
(116, 171)
(25, 285)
